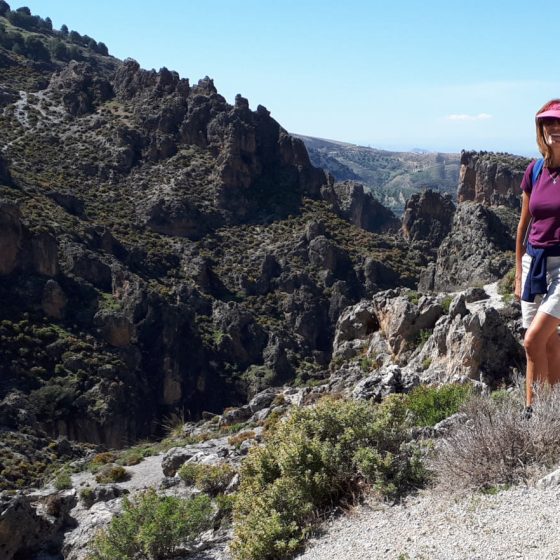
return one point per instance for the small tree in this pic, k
(64, 29)
(75, 37)
(59, 50)
(36, 49)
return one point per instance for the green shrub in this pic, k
(63, 481)
(446, 304)
(112, 473)
(423, 336)
(152, 527)
(317, 457)
(225, 503)
(431, 405)
(134, 455)
(208, 478)
(506, 286)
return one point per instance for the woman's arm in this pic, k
(524, 220)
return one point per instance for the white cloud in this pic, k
(465, 117)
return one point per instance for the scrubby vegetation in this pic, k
(431, 405)
(211, 479)
(494, 446)
(506, 286)
(152, 527)
(112, 473)
(317, 457)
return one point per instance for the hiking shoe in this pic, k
(527, 413)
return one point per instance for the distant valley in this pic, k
(392, 177)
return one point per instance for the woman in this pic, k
(537, 266)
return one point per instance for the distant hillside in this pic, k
(391, 176)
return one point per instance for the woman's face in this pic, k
(551, 131)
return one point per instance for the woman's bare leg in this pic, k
(536, 341)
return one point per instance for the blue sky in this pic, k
(439, 75)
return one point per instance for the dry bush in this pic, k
(496, 446)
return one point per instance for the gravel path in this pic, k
(521, 523)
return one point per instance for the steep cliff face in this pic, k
(478, 250)
(428, 217)
(491, 179)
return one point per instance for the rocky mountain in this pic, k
(162, 252)
(392, 177)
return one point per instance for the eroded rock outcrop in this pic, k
(477, 251)
(359, 207)
(490, 178)
(428, 217)
(81, 88)
(401, 339)
(22, 250)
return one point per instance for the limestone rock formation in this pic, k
(80, 87)
(477, 346)
(28, 521)
(400, 343)
(428, 217)
(491, 179)
(21, 249)
(478, 250)
(359, 207)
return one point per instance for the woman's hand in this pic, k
(517, 290)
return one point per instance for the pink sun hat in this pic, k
(552, 111)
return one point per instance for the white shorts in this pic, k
(550, 303)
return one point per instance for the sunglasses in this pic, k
(548, 121)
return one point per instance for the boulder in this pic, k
(174, 459)
(379, 384)
(401, 320)
(477, 346)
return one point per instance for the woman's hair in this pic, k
(544, 148)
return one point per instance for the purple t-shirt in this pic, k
(544, 206)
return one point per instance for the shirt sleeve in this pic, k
(526, 182)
